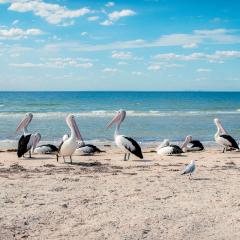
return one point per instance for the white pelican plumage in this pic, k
(28, 141)
(165, 148)
(70, 144)
(223, 138)
(127, 144)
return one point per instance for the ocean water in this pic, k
(151, 116)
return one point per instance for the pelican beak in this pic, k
(36, 140)
(186, 142)
(76, 130)
(24, 123)
(114, 120)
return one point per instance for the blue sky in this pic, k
(120, 45)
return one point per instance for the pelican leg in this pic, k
(57, 157)
(30, 154)
(223, 150)
(128, 156)
(70, 159)
(125, 157)
(64, 159)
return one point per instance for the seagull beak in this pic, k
(114, 120)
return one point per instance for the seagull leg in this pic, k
(125, 155)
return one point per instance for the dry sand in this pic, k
(103, 197)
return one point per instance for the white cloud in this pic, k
(18, 33)
(153, 67)
(93, 18)
(106, 23)
(110, 70)
(110, 4)
(122, 55)
(218, 56)
(15, 22)
(84, 33)
(190, 45)
(164, 41)
(122, 63)
(116, 15)
(203, 70)
(52, 13)
(56, 63)
(137, 73)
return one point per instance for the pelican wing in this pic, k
(132, 146)
(23, 145)
(231, 140)
(196, 144)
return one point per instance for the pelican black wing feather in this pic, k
(22, 145)
(197, 144)
(176, 149)
(94, 148)
(231, 140)
(137, 149)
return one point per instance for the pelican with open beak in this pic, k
(70, 144)
(28, 141)
(223, 138)
(127, 144)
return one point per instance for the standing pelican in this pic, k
(192, 145)
(190, 169)
(223, 138)
(127, 144)
(70, 144)
(27, 141)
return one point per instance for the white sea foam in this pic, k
(130, 113)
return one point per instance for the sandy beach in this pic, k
(103, 197)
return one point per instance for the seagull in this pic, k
(190, 169)
(127, 144)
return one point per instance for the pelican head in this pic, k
(70, 120)
(219, 126)
(118, 118)
(36, 140)
(25, 122)
(188, 139)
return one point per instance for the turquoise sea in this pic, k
(151, 116)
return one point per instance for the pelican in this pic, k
(46, 149)
(70, 143)
(28, 141)
(192, 145)
(87, 149)
(127, 144)
(166, 148)
(223, 138)
(190, 169)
